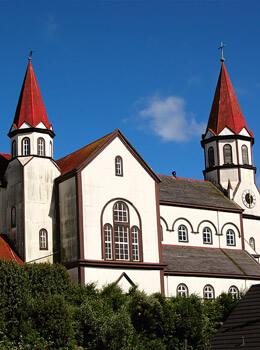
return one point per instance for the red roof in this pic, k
(30, 108)
(7, 253)
(225, 110)
(75, 159)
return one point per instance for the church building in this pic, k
(134, 227)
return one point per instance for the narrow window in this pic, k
(26, 146)
(121, 228)
(108, 241)
(227, 154)
(43, 239)
(208, 292)
(14, 154)
(119, 166)
(207, 235)
(182, 290)
(13, 217)
(135, 243)
(41, 146)
(183, 233)
(233, 290)
(211, 157)
(231, 237)
(245, 154)
(252, 243)
(51, 154)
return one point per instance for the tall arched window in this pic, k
(118, 166)
(208, 292)
(211, 157)
(233, 290)
(183, 233)
(13, 217)
(14, 149)
(121, 241)
(26, 146)
(245, 154)
(43, 239)
(51, 150)
(252, 243)
(207, 235)
(231, 237)
(41, 146)
(227, 154)
(182, 290)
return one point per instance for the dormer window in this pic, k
(14, 152)
(119, 166)
(26, 146)
(227, 154)
(211, 157)
(41, 146)
(245, 155)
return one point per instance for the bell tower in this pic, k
(227, 145)
(30, 175)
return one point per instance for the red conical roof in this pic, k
(225, 110)
(30, 108)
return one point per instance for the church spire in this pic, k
(30, 108)
(225, 110)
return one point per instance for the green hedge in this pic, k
(42, 309)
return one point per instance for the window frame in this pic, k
(26, 149)
(206, 291)
(227, 153)
(234, 292)
(14, 149)
(230, 235)
(183, 292)
(180, 228)
(13, 217)
(245, 158)
(211, 157)
(252, 243)
(41, 245)
(41, 147)
(119, 166)
(205, 233)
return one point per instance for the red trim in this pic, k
(116, 264)
(80, 223)
(242, 232)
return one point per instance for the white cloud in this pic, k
(168, 119)
(50, 27)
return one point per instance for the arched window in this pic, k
(208, 292)
(43, 239)
(51, 150)
(231, 237)
(26, 146)
(183, 233)
(233, 290)
(182, 290)
(14, 152)
(211, 157)
(41, 146)
(118, 166)
(245, 154)
(13, 217)
(207, 235)
(227, 154)
(121, 242)
(252, 243)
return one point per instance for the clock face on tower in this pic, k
(249, 198)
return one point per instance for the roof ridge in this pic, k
(183, 178)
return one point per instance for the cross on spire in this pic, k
(30, 54)
(222, 49)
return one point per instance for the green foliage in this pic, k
(41, 309)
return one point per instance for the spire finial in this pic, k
(30, 54)
(221, 48)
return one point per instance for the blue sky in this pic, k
(147, 67)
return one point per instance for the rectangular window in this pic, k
(108, 242)
(135, 244)
(122, 243)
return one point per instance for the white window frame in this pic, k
(182, 233)
(207, 235)
(208, 292)
(182, 290)
(231, 241)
